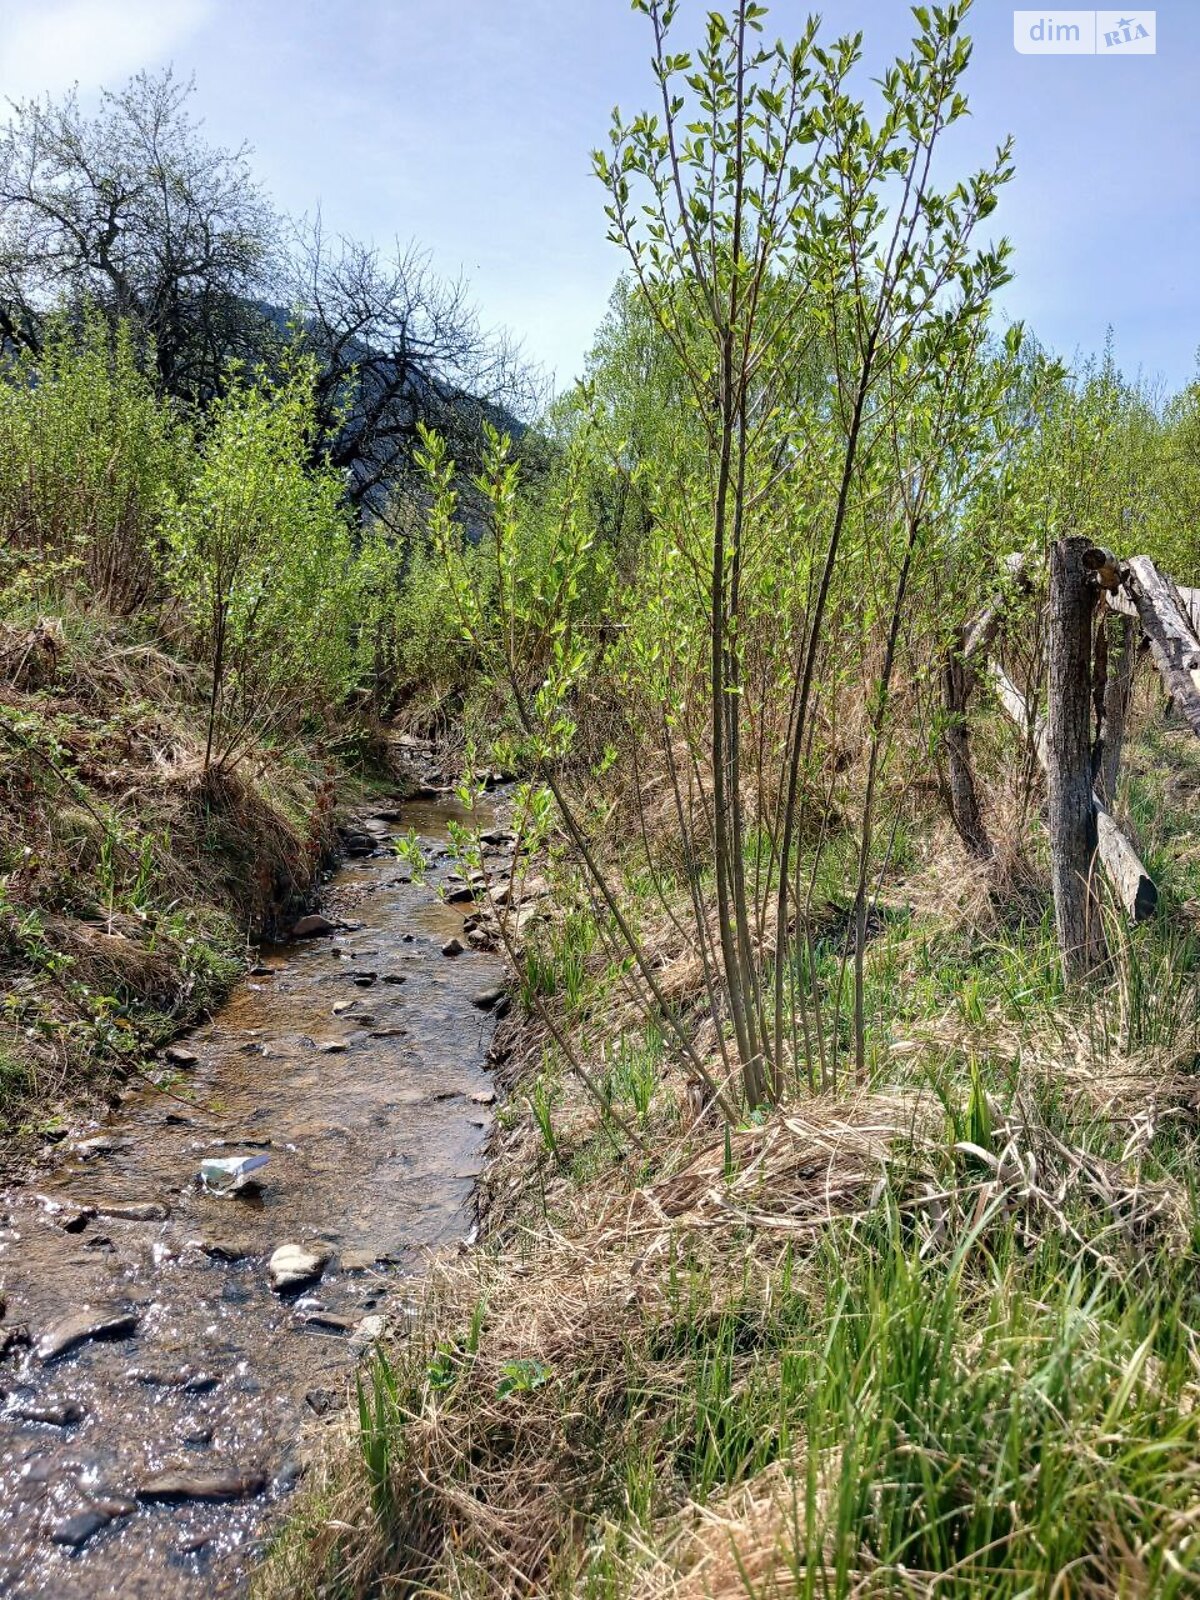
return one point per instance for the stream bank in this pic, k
(159, 1390)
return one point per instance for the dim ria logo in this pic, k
(1084, 33)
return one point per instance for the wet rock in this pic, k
(453, 947)
(332, 1047)
(187, 1380)
(222, 1249)
(102, 1144)
(179, 1056)
(259, 970)
(83, 1326)
(358, 841)
(389, 1033)
(340, 1007)
(74, 1532)
(365, 980)
(484, 1097)
(460, 897)
(487, 999)
(327, 1322)
(194, 1432)
(176, 1486)
(313, 927)
(135, 1211)
(76, 1219)
(357, 1260)
(395, 977)
(369, 1330)
(292, 1265)
(55, 1414)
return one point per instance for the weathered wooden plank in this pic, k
(1173, 643)
(1118, 693)
(1122, 866)
(1123, 605)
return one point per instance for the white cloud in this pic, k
(46, 46)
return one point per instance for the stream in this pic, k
(167, 1395)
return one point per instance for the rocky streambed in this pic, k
(170, 1351)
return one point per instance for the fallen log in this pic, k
(1122, 866)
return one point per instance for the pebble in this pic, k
(82, 1326)
(179, 1484)
(395, 977)
(293, 1264)
(55, 1414)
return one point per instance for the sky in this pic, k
(466, 125)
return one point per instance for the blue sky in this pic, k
(466, 125)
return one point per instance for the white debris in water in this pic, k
(227, 1174)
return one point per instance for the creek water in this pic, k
(351, 1064)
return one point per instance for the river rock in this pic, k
(369, 1331)
(100, 1144)
(484, 1097)
(222, 1249)
(75, 1219)
(358, 841)
(332, 1047)
(83, 1326)
(327, 1321)
(55, 1414)
(135, 1211)
(294, 1264)
(487, 998)
(74, 1532)
(180, 1056)
(453, 947)
(460, 897)
(313, 927)
(173, 1487)
(395, 977)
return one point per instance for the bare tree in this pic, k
(133, 211)
(397, 345)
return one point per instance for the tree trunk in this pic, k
(1069, 772)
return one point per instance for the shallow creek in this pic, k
(352, 1065)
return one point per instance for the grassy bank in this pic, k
(128, 886)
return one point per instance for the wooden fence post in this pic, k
(1069, 761)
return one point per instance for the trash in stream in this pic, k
(228, 1174)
